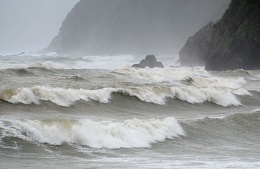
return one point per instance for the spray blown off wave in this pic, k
(157, 95)
(53, 61)
(105, 134)
(191, 76)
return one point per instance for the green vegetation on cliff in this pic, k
(235, 41)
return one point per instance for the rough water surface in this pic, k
(98, 112)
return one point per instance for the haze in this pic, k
(135, 27)
(30, 25)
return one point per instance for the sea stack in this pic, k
(149, 61)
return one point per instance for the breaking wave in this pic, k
(163, 75)
(253, 73)
(234, 129)
(190, 76)
(157, 95)
(104, 134)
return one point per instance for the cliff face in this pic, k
(231, 43)
(112, 27)
(235, 40)
(195, 50)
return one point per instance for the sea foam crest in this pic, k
(163, 75)
(60, 96)
(106, 62)
(232, 83)
(86, 62)
(104, 134)
(198, 77)
(157, 95)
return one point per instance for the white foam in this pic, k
(105, 134)
(157, 95)
(163, 75)
(196, 76)
(105, 62)
(53, 54)
(60, 96)
(241, 92)
(87, 62)
(232, 83)
(55, 61)
(255, 110)
(255, 73)
(200, 95)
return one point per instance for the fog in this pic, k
(30, 25)
(135, 27)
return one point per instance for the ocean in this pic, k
(98, 112)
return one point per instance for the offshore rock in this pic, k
(149, 61)
(194, 52)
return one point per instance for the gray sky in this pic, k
(29, 25)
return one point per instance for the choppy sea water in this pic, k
(98, 112)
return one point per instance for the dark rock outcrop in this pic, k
(149, 61)
(195, 50)
(137, 27)
(234, 41)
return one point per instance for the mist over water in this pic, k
(116, 27)
(30, 25)
(96, 111)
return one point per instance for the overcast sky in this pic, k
(29, 25)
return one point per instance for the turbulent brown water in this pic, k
(98, 112)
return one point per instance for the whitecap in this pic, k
(105, 134)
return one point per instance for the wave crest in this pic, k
(157, 95)
(105, 134)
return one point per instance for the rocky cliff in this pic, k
(195, 50)
(139, 27)
(235, 40)
(232, 43)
